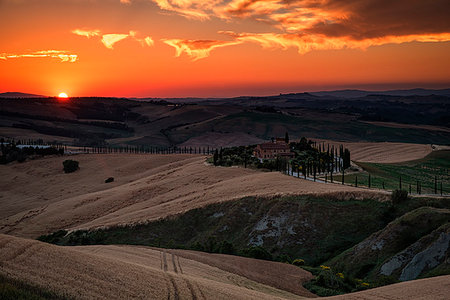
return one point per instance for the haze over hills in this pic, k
(362, 93)
(346, 93)
(19, 95)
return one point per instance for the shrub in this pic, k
(399, 196)
(298, 262)
(226, 248)
(110, 179)
(284, 258)
(70, 166)
(257, 252)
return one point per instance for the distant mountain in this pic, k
(19, 95)
(361, 93)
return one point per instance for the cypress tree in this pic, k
(216, 157)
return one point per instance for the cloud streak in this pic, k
(64, 56)
(110, 39)
(307, 43)
(197, 49)
(86, 33)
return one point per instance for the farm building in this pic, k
(271, 150)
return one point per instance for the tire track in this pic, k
(191, 289)
(179, 265)
(200, 290)
(165, 261)
(174, 263)
(176, 292)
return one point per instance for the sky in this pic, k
(221, 48)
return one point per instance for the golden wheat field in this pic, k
(134, 272)
(38, 198)
(125, 272)
(382, 152)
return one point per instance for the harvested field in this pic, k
(112, 272)
(436, 288)
(382, 152)
(118, 272)
(38, 198)
(218, 139)
(413, 126)
(283, 276)
(26, 134)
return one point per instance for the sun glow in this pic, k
(63, 95)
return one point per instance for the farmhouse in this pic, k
(271, 150)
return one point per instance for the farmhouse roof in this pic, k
(274, 146)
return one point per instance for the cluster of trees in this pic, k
(233, 156)
(309, 159)
(312, 158)
(10, 152)
(148, 150)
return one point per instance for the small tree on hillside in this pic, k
(70, 166)
(399, 196)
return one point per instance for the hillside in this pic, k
(38, 198)
(19, 95)
(179, 201)
(409, 247)
(131, 272)
(227, 122)
(106, 272)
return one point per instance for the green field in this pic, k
(434, 167)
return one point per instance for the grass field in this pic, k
(11, 289)
(424, 171)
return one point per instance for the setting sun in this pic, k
(63, 95)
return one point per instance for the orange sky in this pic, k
(176, 48)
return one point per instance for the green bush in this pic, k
(298, 262)
(70, 166)
(257, 252)
(399, 196)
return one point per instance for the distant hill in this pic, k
(19, 95)
(361, 93)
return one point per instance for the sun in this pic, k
(63, 95)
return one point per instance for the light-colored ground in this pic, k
(411, 126)
(283, 276)
(27, 134)
(38, 198)
(436, 288)
(131, 272)
(382, 152)
(219, 139)
(124, 272)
